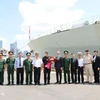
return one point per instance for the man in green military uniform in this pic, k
(2, 65)
(66, 66)
(28, 68)
(10, 67)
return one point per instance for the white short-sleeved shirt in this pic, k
(37, 62)
(80, 62)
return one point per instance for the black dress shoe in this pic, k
(48, 83)
(35, 84)
(86, 82)
(21, 83)
(30, 83)
(75, 82)
(1, 83)
(82, 82)
(8, 84)
(90, 83)
(39, 84)
(56, 82)
(68, 82)
(65, 83)
(59, 82)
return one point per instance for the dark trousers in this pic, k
(37, 75)
(59, 75)
(47, 75)
(74, 75)
(20, 75)
(80, 73)
(29, 77)
(1, 77)
(96, 75)
(68, 74)
(11, 76)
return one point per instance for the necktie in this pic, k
(19, 61)
(73, 60)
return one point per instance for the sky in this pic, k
(41, 15)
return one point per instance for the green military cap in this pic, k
(28, 54)
(66, 52)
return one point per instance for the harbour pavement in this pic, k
(49, 92)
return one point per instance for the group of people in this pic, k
(70, 66)
(74, 67)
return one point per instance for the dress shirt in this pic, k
(94, 58)
(37, 62)
(80, 62)
(17, 63)
(58, 57)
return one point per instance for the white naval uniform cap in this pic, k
(79, 53)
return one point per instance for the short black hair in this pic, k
(86, 50)
(95, 51)
(10, 52)
(32, 51)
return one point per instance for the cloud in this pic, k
(21, 37)
(45, 14)
(4, 40)
(22, 40)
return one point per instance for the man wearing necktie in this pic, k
(74, 68)
(46, 70)
(96, 66)
(58, 68)
(19, 69)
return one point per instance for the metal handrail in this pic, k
(72, 25)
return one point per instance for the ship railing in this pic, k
(69, 26)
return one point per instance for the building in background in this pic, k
(1, 43)
(13, 47)
(24, 53)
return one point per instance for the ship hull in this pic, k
(74, 40)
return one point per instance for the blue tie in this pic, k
(19, 61)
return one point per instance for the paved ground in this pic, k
(50, 92)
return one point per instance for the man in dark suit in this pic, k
(58, 68)
(74, 68)
(46, 70)
(96, 66)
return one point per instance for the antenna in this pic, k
(29, 33)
